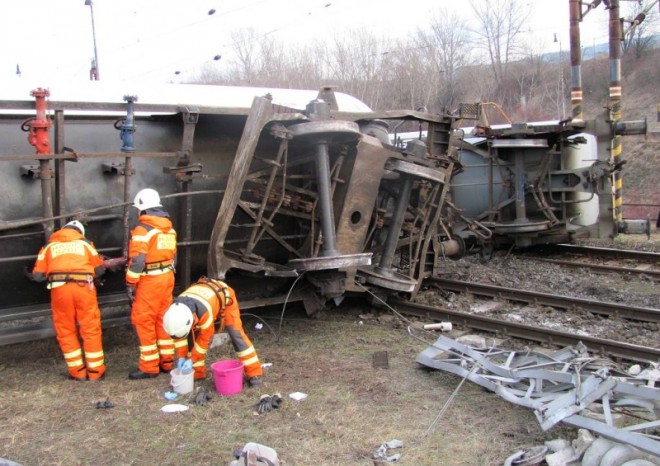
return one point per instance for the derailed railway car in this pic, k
(301, 187)
(527, 184)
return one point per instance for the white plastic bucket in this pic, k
(182, 383)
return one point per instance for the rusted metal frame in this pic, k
(257, 174)
(432, 232)
(258, 229)
(269, 230)
(260, 114)
(334, 172)
(282, 158)
(290, 213)
(423, 228)
(190, 117)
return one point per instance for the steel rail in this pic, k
(655, 274)
(622, 311)
(643, 256)
(527, 332)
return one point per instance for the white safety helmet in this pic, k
(178, 320)
(77, 225)
(146, 199)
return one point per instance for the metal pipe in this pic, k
(94, 73)
(521, 210)
(325, 202)
(4, 226)
(128, 147)
(45, 176)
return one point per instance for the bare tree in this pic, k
(447, 48)
(639, 27)
(499, 26)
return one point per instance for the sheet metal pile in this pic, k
(567, 386)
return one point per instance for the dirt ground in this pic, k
(352, 407)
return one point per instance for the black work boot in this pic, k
(255, 381)
(138, 374)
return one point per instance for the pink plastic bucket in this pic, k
(228, 376)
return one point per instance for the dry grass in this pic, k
(352, 407)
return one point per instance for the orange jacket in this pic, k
(152, 247)
(67, 252)
(206, 307)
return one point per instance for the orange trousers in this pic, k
(153, 296)
(75, 304)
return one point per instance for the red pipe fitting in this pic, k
(38, 126)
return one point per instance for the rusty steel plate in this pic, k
(415, 170)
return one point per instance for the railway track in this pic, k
(622, 311)
(644, 260)
(543, 336)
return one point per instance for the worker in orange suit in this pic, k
(69, 263)
(199, 308)
(150, 283)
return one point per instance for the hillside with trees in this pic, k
(449, 61)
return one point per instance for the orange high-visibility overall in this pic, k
(203, 300)
(152, 254)
(69, 262)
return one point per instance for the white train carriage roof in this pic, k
(234, 99)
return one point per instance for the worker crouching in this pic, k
(191, 320)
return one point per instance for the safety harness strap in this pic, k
(158, 265)
(221, 293)
(70, 277)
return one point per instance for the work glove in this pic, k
(107, 404)
(201, 398)
(185, 365)
(114, 264)
(130, 292)
(27, 273)
(268, 403)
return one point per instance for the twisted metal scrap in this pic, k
(565, 386)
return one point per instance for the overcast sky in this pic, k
(152, 39)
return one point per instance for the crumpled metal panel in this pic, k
(564, 386)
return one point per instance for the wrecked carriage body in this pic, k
(259, 183)
(297, 186)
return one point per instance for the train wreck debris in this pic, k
(567, 386)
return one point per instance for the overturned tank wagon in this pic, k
(301, 187)
(526, 184)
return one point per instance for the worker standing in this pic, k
(150, 283)
(69, 263)
(198, 309)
